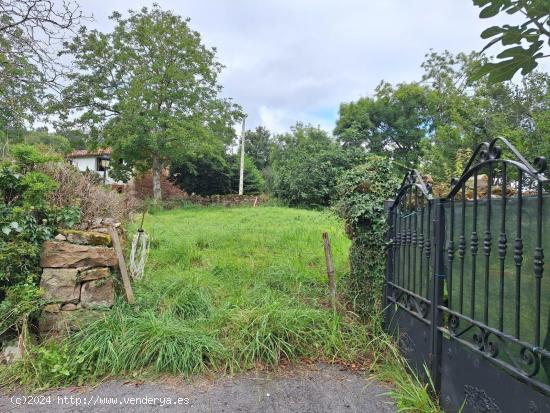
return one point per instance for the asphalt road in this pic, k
(316, 389)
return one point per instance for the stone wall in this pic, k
(77, 278)
(225, 200)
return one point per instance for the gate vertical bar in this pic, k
(437, 291)
(390, 236)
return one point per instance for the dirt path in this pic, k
(315, 389)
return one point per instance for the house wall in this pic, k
(89, 163)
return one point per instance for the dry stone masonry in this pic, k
(77, 278)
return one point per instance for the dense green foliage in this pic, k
(464, 114)
(26, 220)
(55, 142)
(306, 164)
(533, 32)
(392, 123)
(220, 175)
(361, 195)
(153, 104)
(258, 146)
(434, 125)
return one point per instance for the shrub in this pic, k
(26, 220)
(361, 195)
(82, 191)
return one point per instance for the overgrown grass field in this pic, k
(225, 289)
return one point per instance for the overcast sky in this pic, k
(297, 60)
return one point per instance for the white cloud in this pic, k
(289, 60)
(279, 120)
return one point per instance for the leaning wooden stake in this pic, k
(330, 270)
(122, 265)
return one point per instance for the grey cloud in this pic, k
(289, 60)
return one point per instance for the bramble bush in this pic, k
(361, 193)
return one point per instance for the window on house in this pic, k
(98, 166)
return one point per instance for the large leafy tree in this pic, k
(258, 146)
(32, 29)
(524, 43)
(465, 112)
(30, 33)
(150, 90)
(306, 165)
(392, 123)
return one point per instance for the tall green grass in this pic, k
(224, 290)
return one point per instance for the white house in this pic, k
(97, 161)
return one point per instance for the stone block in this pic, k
(56, 322)
(56, 254)
(97, 294)
(86, 237)
(52, 308)
(66, 321)
(94, 273)
(70, 307)
(10, 354)
(60, 285)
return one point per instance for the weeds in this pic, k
(256, 299)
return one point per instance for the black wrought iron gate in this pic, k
(465, 293)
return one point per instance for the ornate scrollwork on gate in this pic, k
(509, 352)
(413, 303)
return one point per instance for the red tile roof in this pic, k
(83, 153)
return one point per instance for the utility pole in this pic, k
(241, 175)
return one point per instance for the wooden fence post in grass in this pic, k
(330, 270)
(122, 265)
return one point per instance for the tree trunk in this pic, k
(157, 169)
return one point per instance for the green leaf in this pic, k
(490, 11)
(481, 3)
(491, 31)
(511, 36)
(517, 51)
(529, 67)
(480, 72)
(504, 70)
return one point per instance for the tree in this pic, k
(217, 175)
(258, 146)
(150, 90)
(306, 165)
(464, 113)
(392, 123)
(534, 33)
(30, 30)
(20, 87)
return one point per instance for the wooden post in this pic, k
(122, 265)
(330, 269)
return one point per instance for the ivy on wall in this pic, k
(361, 195)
